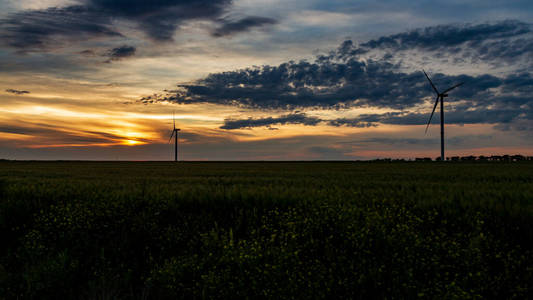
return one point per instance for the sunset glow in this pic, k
(133, 142)
(309, 83)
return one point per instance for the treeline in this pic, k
(470, 158)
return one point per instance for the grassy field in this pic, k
(104, 230)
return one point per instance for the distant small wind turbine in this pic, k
(440, 96)
(174, 134)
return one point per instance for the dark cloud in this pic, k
(397, 118)
(121, 52)
(230, 28)
(482, 115)
(42, 29)
(38, 30)
(505, 113)
(160, 19)
(351, 123)
(344, 79)
(295, 118)
(328, 83)
(450, 35)
(493, 42)
(17, 92)
(323, 83)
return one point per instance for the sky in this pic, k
(263, 80)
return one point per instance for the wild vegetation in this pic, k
(266, 230)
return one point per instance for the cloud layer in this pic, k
(45, 29)
(346, 78)
(37, 30)
(323, 83)
(506, 39)
(296, 118)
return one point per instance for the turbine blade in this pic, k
(457, 85)
(432, 112)
(170, 139)
(174, 120)
(431, 82)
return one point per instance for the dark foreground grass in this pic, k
(266, 230)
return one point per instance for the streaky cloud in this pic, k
(491, 42)
(45, 29)
(121, 52)
(160, 19)
(450, 35)
(229, 28)
(17, 92)
(351, 123)
(38, 30)
(294, 118)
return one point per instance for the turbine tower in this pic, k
(440, 96)
(174, 134)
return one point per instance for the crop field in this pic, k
(358, 230)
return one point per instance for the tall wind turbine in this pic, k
(440, 96)
(174, 134)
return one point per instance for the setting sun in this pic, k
(133, 142)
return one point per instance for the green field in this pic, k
(105, 230)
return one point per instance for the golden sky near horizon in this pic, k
(245, 93)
